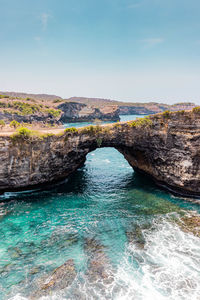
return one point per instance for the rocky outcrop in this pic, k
(61, 278)
(131, 108)
(152, 108)
(78, 112)
(55, 111)
(99, 267)
(163, 146)
(39, 118)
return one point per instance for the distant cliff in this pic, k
(41, 108)
(73, 112)
(153, 108)
(129, 108)
(51, 109)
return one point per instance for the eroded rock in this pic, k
(61, 278)
(99, 268)
(136, 237)
(190, 224)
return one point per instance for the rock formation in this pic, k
(60, 278)
(52, 111)
(131, 108)
(164, 146)
(78, 112)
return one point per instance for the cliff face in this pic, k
(165, 147)
(129, 108)
(73, 112)
(152, 108)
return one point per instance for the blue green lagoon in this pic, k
(144, 253)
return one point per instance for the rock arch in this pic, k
(165, 147)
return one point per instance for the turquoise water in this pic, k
(147, 255)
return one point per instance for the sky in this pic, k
(129, 50)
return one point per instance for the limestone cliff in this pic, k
(163, 146)
(78, 112)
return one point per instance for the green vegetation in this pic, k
(21, 108)
(53, 112)
(118, 125)
(91, 130)
(57, 100)
(196, 110)
(71, 130)
(2, 123)
(14, 124)
(26, 134)
(4, 96)
(3, 104)
(166, 114)
(99, 142)
(25, 108)
(181, 112)
(143, 122)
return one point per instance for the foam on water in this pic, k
(167, 268)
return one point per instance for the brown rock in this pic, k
(60, 278)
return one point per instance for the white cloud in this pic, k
(151, 42)
(44, 20)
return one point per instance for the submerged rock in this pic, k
(190, 224)
(60, 278)
(99, 268)
(15, 252)
(136, 235)
(93, 246)
(60, 239)
(136, 238)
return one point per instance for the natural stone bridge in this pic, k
(164, 146)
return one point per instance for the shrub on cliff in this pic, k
(196, 110)
(25, 108)
(57, 100)
(3, 104)
(53, 112)
(2, 124)
(143, 122)
(4, 96)
(166, 114)
(14, 124)
(25, 134)
(71, 130)
(91, 130)
(117, 125)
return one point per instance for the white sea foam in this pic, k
(168, 268)
(169, 265)
(107, 161)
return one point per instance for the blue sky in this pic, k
(133, 50)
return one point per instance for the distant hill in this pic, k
(133, 107)
(34, 96)
(50, 109)
(104, 105)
